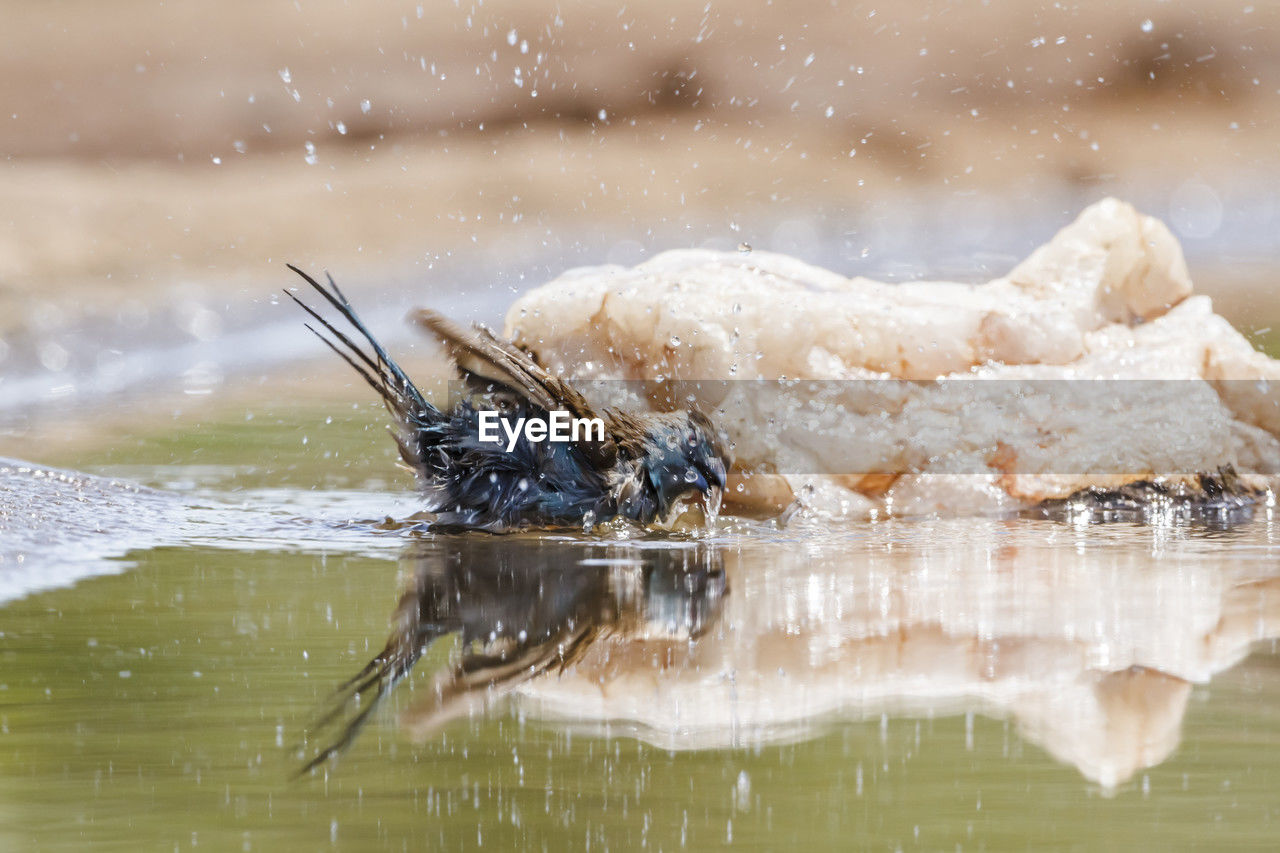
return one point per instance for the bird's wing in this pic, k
(489, 364)
(477, 680)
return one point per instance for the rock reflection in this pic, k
(1088, 637)
(522, 607)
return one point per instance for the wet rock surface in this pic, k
(1090, 366)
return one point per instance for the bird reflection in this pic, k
(522, 607)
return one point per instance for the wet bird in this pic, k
(641, 466)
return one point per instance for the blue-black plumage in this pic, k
(643, 469)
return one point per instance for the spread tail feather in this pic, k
(398, 393)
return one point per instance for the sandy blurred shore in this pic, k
(148, 140)
(143, 78)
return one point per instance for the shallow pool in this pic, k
(957, 684)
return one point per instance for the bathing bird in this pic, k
(639, 466)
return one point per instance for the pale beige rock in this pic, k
(1112, 264)
(1108, 298)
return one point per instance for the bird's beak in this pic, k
(718, 474)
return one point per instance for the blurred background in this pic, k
(163, 160)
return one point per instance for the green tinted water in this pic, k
(902, 686)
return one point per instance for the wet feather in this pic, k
(644, 468)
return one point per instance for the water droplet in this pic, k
(742, 791)
(1148, 25)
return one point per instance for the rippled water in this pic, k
(938, 684)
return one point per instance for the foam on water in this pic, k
(58, 527)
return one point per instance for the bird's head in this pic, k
(681, 457)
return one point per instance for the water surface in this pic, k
(959, 684)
